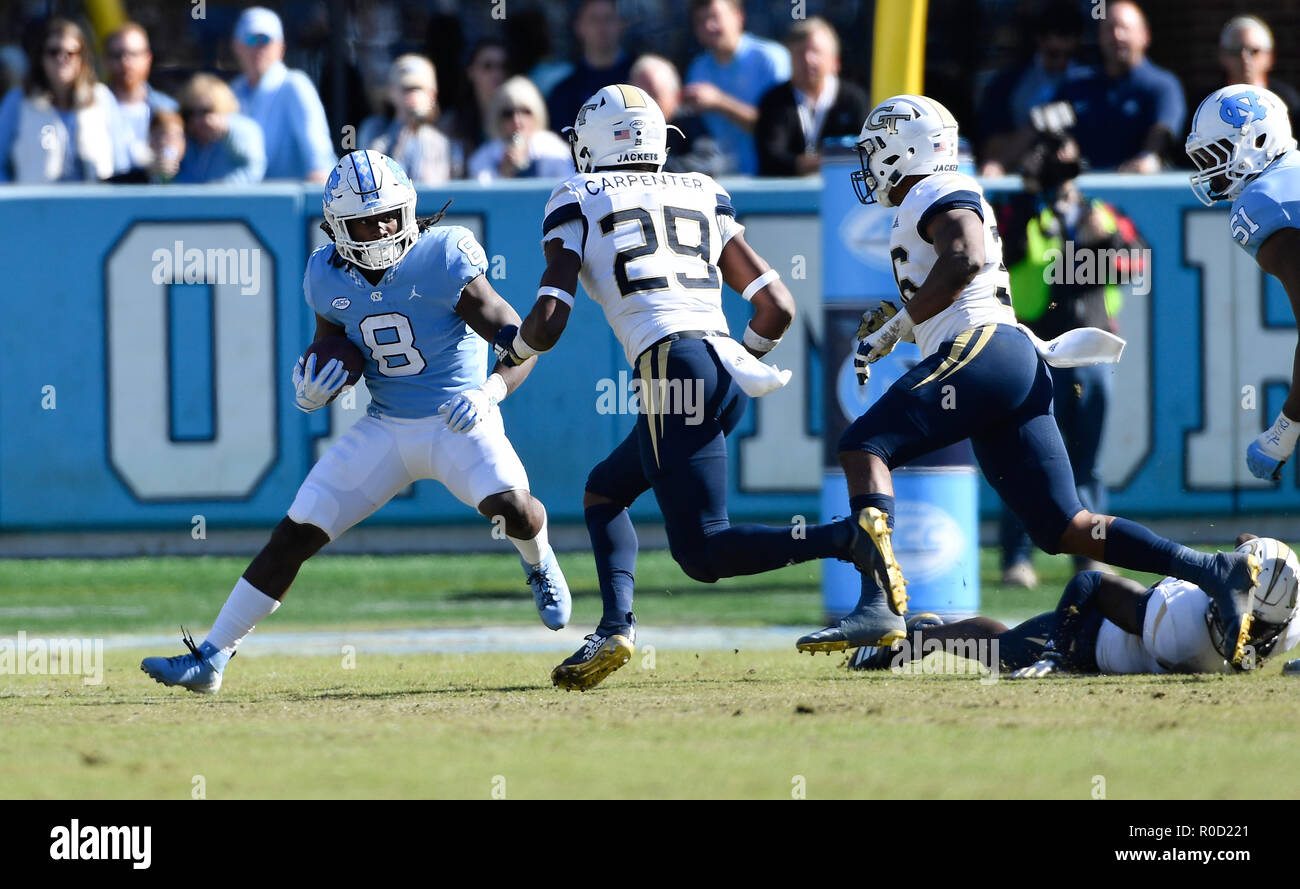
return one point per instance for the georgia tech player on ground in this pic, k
(413, 297)
(982, 377)
(653, 249)
(1244, 152)
(1106, 624)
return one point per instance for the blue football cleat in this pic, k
(199, 671)
(550, 591)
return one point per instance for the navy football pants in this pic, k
(988, 385)
(679, 448)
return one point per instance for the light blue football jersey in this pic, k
(1269, 203)
(419, 352)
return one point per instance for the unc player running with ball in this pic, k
(413, 297)
(1244, 152)
(981, 377)
(653, 249)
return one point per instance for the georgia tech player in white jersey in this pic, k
(1111, 624)
(987, 298)
(653, 250)
(981, 377)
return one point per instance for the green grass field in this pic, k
(90, 597)
(763, 724)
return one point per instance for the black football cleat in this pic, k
(872, 623)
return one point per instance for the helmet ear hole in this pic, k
(1260, 140)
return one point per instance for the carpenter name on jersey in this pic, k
(649, 245)
(1268, 204)
(986, 299)
(419, 352)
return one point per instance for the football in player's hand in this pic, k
(342, 348)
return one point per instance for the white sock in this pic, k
(535, 550)
(246, 606)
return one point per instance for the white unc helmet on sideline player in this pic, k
(1236, 132)
(367, 183)
(620, 124)
(903, 136)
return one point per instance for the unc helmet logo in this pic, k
(1242, 108)
(885, 117)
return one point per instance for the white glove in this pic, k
(313, 391)
(880, 343)
(467, 409)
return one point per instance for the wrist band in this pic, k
(757, 342)
(563, 296)
(522, 349)
(1286, 430)
(495, 388)
(759, 283)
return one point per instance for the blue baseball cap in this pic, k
(258, 21)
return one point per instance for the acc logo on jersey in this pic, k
(1241, 109)
(886, 117)
(341, 303)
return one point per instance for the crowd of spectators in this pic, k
(746, 102)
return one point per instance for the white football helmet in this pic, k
(367, 183)
(1273, 602)
(620, 124)
(903, 136)
(1236, 132)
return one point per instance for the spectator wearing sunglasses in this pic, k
(130, 60)
(1246, 56)
(521, 144)
(465, 123)
(282, 101)
(223, 145)
(62, 125)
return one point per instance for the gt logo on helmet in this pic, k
(886, 118)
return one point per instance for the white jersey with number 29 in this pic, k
(986, 299)
(649, 245)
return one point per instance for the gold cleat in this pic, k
(588, 666)
(878, 560)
